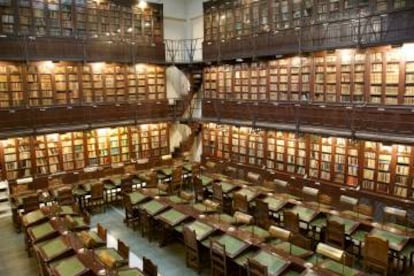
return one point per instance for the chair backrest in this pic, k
(30, 203)
(291, 221)
(281, 185)
(153, 180)
(123, 250)
(365, 209)
(240, 203)
(254, 268)
(97, 190)
(375, 252)
(310, 193)
(218, 192)
(348, 202)
(262, 214)
(394, 215)
(230, 171)
(149, 268)
(218, 258)
(65, 196)
(101, 232)
(335, 234)
(325, 199)
(126, 200)
(177, 177)
(126, 184)
(190, 238)
(301, 241)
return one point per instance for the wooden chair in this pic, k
(198, 189)
(262, 214)
(97, 197)
(146, 226)
(375, 254)
(218, 258)
(149, 268)
(365, 211)
(127, 184)
(123, 251)
(281, 186)
(230, 171)
(218, 195)
(347, 202)
(395, 218)
(65, 196)
(301, 241)
(325, 201)
(254, 268)
(240, 203)
(176, 179)
(291, 221)
(131, 213)
(30, 203)
(101, 232)
(335, 234)
(192, 253)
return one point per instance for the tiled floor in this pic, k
(170, 259)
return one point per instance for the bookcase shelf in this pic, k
(379, 76)
(82, 19)
(363, 165)
(49, 83)
(54, 153)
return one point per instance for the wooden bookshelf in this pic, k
(370, 166)
(378, 76)
(11, 86)
(54, 153)
(82, 19)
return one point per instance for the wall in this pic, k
(177, 84)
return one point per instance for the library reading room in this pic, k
(206, 137)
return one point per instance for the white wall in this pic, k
(177, 83)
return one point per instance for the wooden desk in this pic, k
(206, 180)
(233, 246)
(350, 225)
(274, 263)
(68, 267)
(137, 197)
(127, 272)
(154, 207)
(55, 248)
(201, 229)
(249, 193)
(396, 241)
(339, 268)
(172, 217)
(275, 204)
(305, 214)
(117, 259)
(292, 249)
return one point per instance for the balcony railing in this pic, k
(183, 50)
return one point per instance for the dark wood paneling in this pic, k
(23, 48)
(63, 116)
(367, 118)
